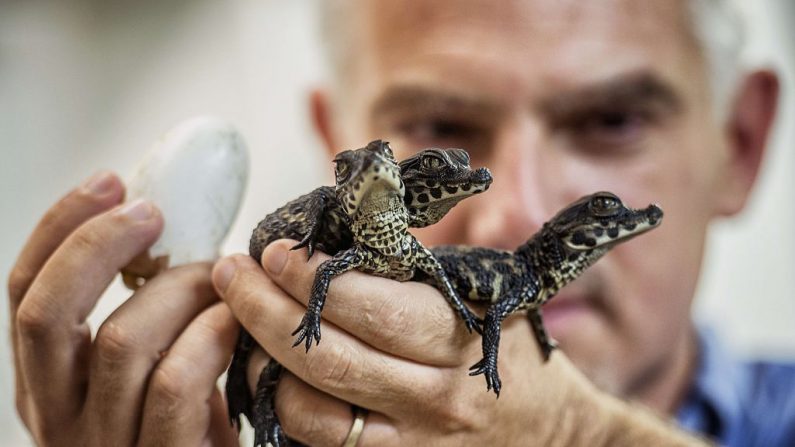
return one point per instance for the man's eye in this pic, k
(436, 133)
(413, 132)
(603, 130)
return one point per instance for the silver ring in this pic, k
(359, 415)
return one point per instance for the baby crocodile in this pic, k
(528, 277)
(435, 181)
(370, 190)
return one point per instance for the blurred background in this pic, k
(88, 85)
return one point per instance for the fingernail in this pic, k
(223, 273)
(99, 183)
(275, 258)
(138, 209)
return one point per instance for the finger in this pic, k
(220, 431)
(53, 337)
(181, 403)
(133, 339)
(318, 419)
(342, 365)
(408, 319)
(97, 194)
(256, 363)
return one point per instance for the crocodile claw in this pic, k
(488, 368)
(309, 242)
(270, 433)
(472, 321)
(547, 348)
(308, 330)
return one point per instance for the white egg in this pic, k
(196, 175)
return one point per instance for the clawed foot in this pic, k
(489, 369)
(309, 242)
(308, 330)
(270, 431)
(547, 348)
(472, 321)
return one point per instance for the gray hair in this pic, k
(720, 30)
(716, 25)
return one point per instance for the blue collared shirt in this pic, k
(740, 404)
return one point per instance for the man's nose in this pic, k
(516, 204)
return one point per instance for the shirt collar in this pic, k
(713, 404)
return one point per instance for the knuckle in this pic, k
(33, 320)
(115, 342)
(18, 281)
(454, 415)
(299, 418)
(168, 384)
(333, 367)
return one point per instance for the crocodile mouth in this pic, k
(474, 182)
(608, 232)
(421, 193)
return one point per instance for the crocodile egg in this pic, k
(195, 174)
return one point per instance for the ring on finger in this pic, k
(359, 416)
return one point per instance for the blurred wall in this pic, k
(88, 85)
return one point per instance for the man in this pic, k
(559, 99)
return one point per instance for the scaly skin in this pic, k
(319, 220)
(528, 277)
(371, 191)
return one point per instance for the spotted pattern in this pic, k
(523, 280)
(440, 178)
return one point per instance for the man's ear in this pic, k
(321, 111)
(748, 128)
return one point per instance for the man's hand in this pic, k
(399, 350)
(149, 376)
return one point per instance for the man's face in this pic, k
(559, 99)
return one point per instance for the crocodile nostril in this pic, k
(654, 212)
(482, 175)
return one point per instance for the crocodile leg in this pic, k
(267, 427)
(238, 396)
(316, 205)
(546, 343)
(495, 314)
(427, 263)
(342, 262)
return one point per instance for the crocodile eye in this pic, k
(341, 171)
(604, 205)
(431, 162)
(388, 150)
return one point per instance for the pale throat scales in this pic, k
(384, 225)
